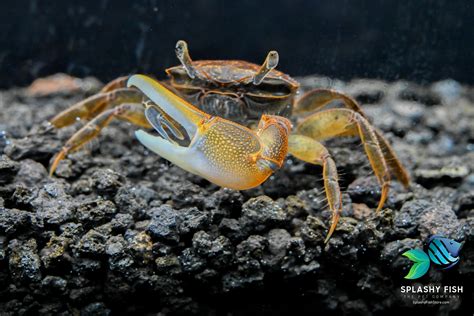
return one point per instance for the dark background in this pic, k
(418, 40)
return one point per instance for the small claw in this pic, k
(221, 151)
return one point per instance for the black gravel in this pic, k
(120, 231)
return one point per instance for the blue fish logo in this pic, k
(441, 251)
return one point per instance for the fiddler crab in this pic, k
(228, 122)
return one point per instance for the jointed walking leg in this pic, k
(133, 113)
(344, 122)
(312, 151)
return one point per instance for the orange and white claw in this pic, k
(221, 151)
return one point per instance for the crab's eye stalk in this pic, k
(182, 53)
(270, 63)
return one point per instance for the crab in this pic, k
(228, 121)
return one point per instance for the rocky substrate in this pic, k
(119, 230)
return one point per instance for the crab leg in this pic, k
(312, 151)
(120, 82)
(90, 107)
(221, 151)
(132, 113)
(394, 164)
(318, 98)
(337, 122)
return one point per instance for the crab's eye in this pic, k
(182, 53)
(270, 63)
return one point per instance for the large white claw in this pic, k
(219, 150)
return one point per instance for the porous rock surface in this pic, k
(119, 230)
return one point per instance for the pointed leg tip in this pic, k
(57, 158)
(329, 235)
(380, 205)
(383, 197)
(327, 238)
(332, 229)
